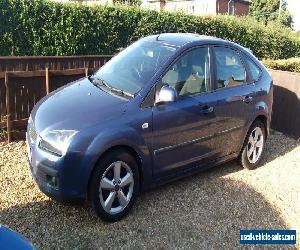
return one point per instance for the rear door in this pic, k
(234, 100)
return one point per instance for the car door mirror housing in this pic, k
(166, 94)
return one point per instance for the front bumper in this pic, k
(53, 176)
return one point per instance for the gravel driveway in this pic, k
(206, 210)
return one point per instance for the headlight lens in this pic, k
(31, 132)
(56, 141)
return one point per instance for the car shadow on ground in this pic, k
(196, 212)
(200, 211)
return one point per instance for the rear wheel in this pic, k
(254, 145)
(114, 185)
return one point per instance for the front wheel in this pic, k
(254, 146)
(114, 185)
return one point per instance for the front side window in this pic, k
(190, 74)
(229, 68)
(132, 68)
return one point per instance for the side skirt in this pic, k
(195, 168)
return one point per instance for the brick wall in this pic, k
(241, 7)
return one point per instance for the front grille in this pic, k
(32, 134)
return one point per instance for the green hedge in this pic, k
(40, 27)
(291, 64)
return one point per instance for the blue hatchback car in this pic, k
(11, 240)
(163, 108)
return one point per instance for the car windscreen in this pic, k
(132, 68)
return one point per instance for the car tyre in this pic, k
(114, 185)
(253, 148)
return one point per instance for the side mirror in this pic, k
(166, 94)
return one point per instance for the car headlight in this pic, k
(56, 141)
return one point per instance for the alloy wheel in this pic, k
(116, 187)
(255, 145)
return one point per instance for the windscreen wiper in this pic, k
(98, 82)
(122, 92)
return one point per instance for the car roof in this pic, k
(181, 39)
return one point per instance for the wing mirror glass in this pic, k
(166, 94)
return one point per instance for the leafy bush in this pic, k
(40, 27)
(291, 64)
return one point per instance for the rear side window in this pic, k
(254, 70)
(229, 68)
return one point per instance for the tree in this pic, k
(271, 10)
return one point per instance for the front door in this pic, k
(182, 129)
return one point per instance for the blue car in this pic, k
(165, 107)
(12, 240)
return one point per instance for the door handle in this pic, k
(247, 99)
(206, 109)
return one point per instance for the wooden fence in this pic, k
(32, 63)
(25, 80)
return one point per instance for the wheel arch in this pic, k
(121, 147)
(260, 117)
(262, 113)
(264, 120)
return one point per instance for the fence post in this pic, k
(47, 81)
(86, 71)
(8, 122)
